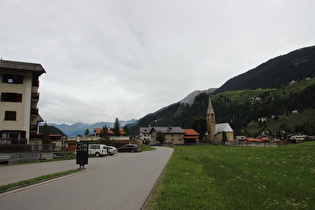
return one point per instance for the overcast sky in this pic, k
(108, 59)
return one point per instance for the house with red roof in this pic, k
(110, 131)
(173, 135)
(258, 139)
(191, 136)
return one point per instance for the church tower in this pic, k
(210, 120)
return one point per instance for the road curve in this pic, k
(123, 181)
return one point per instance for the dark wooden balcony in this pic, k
(35, 96)
(34, 111)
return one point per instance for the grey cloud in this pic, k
(125, 59)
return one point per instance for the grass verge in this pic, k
(24, 183)
(218, 177)
(145, 147)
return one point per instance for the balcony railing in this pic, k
(35, 83)
(34, 111)
(35, 96)
(33, 128)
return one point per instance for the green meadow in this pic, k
(220, 177)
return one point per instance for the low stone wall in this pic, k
(22, 157)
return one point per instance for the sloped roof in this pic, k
(17, 65)
(223, 127)
(241, 138)
(145, 130)
(191, 132)
(210, 107)
(109, 131)
(169, 130)
(253, 140)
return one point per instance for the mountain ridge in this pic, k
(275, 72)
(79, 128)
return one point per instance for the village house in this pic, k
(110, 131)
(191, 136)
(173, 135)
(259, 139)
(145, 135)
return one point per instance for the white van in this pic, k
(97, 150)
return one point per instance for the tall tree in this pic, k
(87, 132)
(126, 130)
(104, 133)
(199, 124)
(224, 137)
(116, 128)
(46, 139)
(160, 137)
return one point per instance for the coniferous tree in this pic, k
(116, 128)
(126, 130)
(160, 137)
(46, 139)
(87, 132)
(224, 137)
(199, 124)
(104, 133)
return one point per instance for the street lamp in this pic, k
(151, 122)
(150, 138)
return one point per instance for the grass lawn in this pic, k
(219, 177)
(145, 147)
(23, 183)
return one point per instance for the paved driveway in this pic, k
(123, 181)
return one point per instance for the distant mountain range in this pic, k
(80, 128)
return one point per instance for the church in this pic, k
(216, 131)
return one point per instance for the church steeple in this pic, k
(210, 107)
(210, 120)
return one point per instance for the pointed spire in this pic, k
(210, 108)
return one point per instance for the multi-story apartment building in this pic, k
(19, 117)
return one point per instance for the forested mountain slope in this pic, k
(243, 109)
(276, 72)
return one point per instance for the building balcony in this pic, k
(35, 96)
(33, 128)
(35, 83)
(34, 111)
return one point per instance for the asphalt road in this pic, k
(122, 181)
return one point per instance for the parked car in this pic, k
(97, 150)
(129, 148)
(111, 150)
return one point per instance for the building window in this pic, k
(11, 97)
(10, 115)
(12, 79)
(10, 134)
